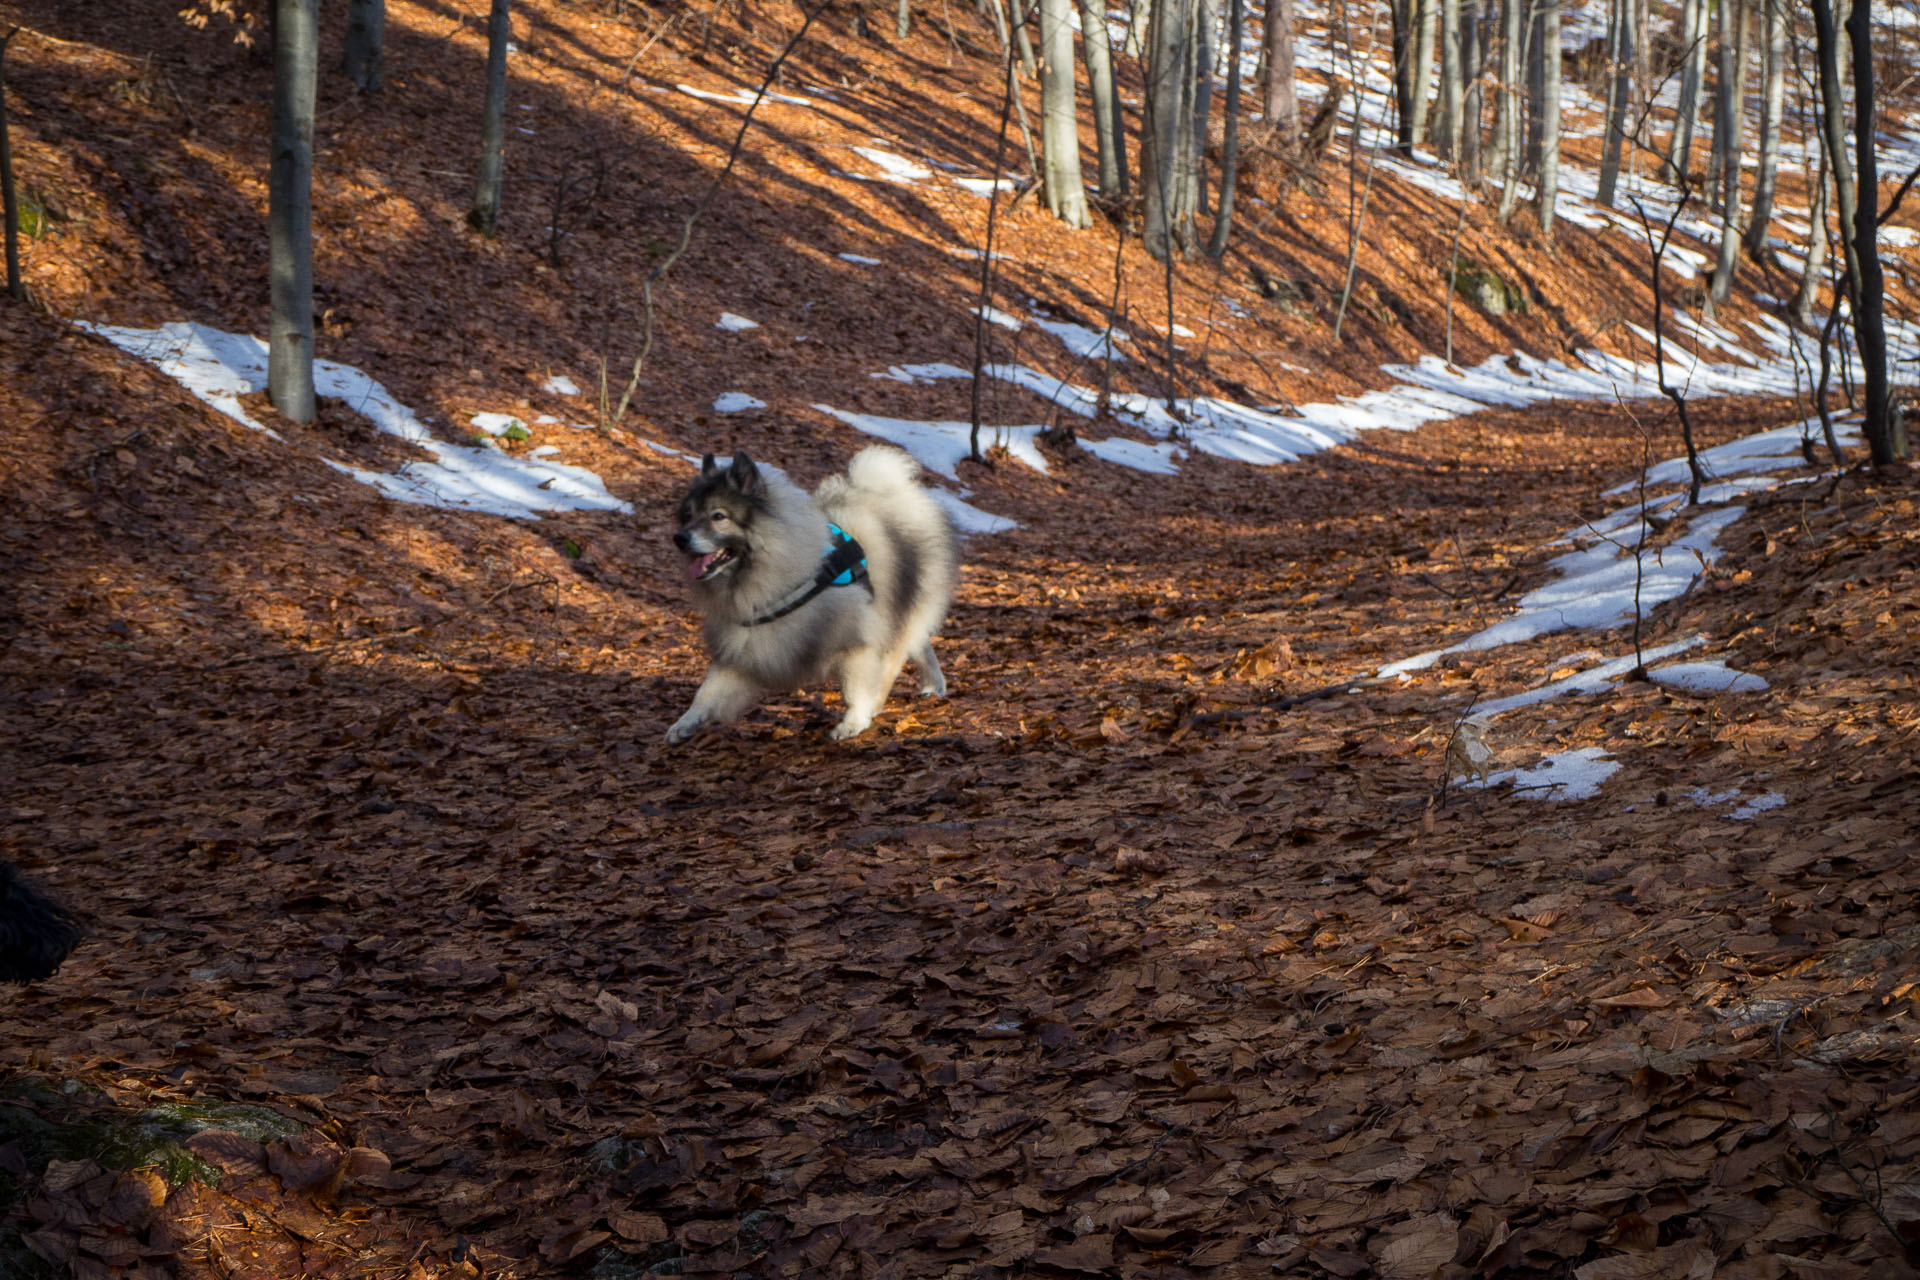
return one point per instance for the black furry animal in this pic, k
(36, 933)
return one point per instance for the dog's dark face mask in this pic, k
(717, 516)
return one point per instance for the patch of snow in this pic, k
(736, 402)
(544, 451)
(984, 187)
(1564, 775)
(941, 446)
(1088, 344)
(219, 367)
(894, 168)
(734, 323)
(1155, 459)
(967, 518)
(560, 385)
(1597, 589)
(860, 259)
(496, 424)
(1758, 805)
(1707, 799)
(1707, 677)
(1595, 679)
(919, 374)
(742, 97)
(1006, 320)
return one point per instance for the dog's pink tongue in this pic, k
(698, 565)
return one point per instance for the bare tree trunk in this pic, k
(1109, 127)
(1869, 316)
(1833, 127)
(1425, 20)
(1137, 23)
(1727, 132)
(1277, 88)
(1452, 87)
(1549, 11)
(9, 209)
(1059, 125)
(1230, 141)
(366, 42)
(1773, 104)
(1619, 96)
(1506, 135)
(1535, 54)
(1207, 56)
(1405, 15)
(296, 53)
(1808, 295)
(903, 20)
(485, 214)
(1472, 67)
(1169, 159)
(1693, 52)
(1021, 42)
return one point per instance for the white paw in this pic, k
(683, 728)
(849, 728)
(934, 689)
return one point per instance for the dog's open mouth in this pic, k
(702, 567)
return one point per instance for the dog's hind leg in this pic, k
(865, 678)
(723, 695)
(932, 683)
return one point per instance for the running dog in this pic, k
(846, 585)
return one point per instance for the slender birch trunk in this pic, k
(1059, 125)
(296, 54)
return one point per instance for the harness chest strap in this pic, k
(844, 564)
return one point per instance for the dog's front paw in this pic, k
(684, 728)
(849, 728)
(934, 687)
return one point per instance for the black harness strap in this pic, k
(844, 565)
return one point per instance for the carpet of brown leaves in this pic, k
(1116, 962)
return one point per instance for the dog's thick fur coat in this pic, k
(36, 933)
(754, 543)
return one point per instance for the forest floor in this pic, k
(1163, 947)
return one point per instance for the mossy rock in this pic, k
(69, 1121)
(1485, 289)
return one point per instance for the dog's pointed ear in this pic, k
(707, 465)
(743, 474)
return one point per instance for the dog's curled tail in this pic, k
(879, 468)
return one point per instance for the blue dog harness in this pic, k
(844, 564)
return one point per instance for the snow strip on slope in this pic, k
(220, 367)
